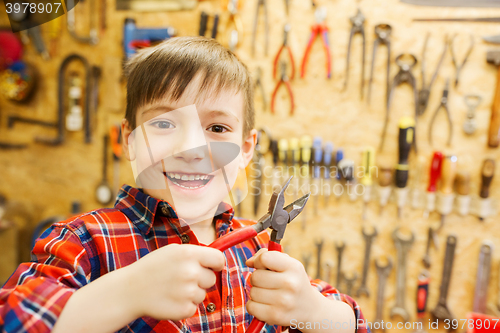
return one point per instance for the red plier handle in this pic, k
(277, 58)
(315, 31)
(290, 93)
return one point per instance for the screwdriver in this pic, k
(305, 154)
(448, 173)
(346, 167)
(415, 191)
(384, 190)
(463, 190)
(339, 156)
(434, 175)
(316, 174)
(327, 162)
(368, 161)
(406, 137)
(294, 160)
(283, 158)
(487, 173)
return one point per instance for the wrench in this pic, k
(422, 293)
(363, 289)
(431, 237)
(328, 271)
(402, 246)
(441, 311)
(339, 246)
(319, 247)
(382, 273)
(306, 258)
(349, 279)
(482, 278)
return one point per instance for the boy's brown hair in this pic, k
(166, 69)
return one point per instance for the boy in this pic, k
(123, 269)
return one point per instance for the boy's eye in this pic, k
(218, 128)
(162, 124)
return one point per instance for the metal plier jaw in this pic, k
(357, 21)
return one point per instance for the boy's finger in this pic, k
(263, 278)
(210, 258)
(260, 311)
(272, 260)
(250, 262)
(266, 296)
(207, 278)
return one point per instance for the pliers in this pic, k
(444, 105)
(283, 80)
(285, 45)
(276, 218)
(357, 27)
(319, 28)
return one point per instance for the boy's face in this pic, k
(189, 152)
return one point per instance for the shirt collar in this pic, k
(142, 209)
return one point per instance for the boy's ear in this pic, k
(248, 147)
(126, 136)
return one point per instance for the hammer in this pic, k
(493, 57)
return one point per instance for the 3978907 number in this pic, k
(32, 7)
(470, 323)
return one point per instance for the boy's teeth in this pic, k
(197, 177)
(184, 177)
(191, 177)
(177, 176)
(187, 177)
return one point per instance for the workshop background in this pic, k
(41, 181)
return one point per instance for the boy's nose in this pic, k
(189, 155)
(192, 144)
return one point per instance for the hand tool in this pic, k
(385, 180)
(454, 3)
(327, 162)
(425, 91)
(287, 7)
(482, 278)
(328, 271)
(460, 19)
(93, 37)
(441, 311)
(446, 196)
(406, 138)
(405, 63)
(115, 135)
(368, 235)
(319, 248)
(317, 154)
(383, 32)
(357, 27)
(54, 32)
(285, 82)
(234, 25)
(463, 190)
(443, 104)
(305, 158)
(339, 247)
(422, 294)
(472, 102)
(416, 193)
(277, 218)
(346, 167)
(403, 245)
(459, 67)
(132, 34)
(492, 39)
(103, 192)
(434, 175)
(294, 161)
(204, 17)
(258, 84)
(319, 28)
(95, 76)
(430, 237)
(382, 273)
(306, 259)
(74, 119)
(339, 156)
(284, 158)
(487, 173)
(493, 57)
(350, 280)
(263, 4)
(367, 182)
(273, 146)
(284, 46)
(261, 148)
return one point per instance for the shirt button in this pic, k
(211, 307)
(185, 239)
(165, 211)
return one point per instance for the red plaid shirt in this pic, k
(75, 252)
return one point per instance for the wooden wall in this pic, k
(43, 181)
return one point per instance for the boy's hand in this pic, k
(170, 282)
(281, 290)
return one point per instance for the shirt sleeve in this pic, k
(34, 296)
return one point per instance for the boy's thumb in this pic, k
(251, 261)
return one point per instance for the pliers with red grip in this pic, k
(319, 28)
(276, 218)
(286, 82)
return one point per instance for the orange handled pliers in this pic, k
(290, 55)
(319, 28)
(276, 218)
(283, 81)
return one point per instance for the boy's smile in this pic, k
(188, 181)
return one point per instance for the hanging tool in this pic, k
(431, 238)
(492, 39)
(425, 91)
(339, 156)
(273, 147)
(74, 118)
(441, 311)
(482, 278)
(346, 167)
(487, 173)
(416, 193)
(367, 181)
(443, 104)
(472, 102)
(284, 46)
(316, 170)
(283, 81)
(305, 158)
(357, 27)
(263, 4)
(204, 17)
(369, 235)
(493, 57)
(234, 25)
(385, 181)
(349, 281)
(445, 199)
(327, 162)
(284, 158)
(132, 35)
(383, 32)
(93, 37)
(405, 63)
(406, 137)
(403, 246)
(384, 267)
(294, 160)
(339, 248)
(277, 218)
(258, 85)
(103, 192)
(319, 248)
(422, 294)
(319, 28)
(115, 135)
(434, 175)
(261, 148)
(459, 67)
(463, 190)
